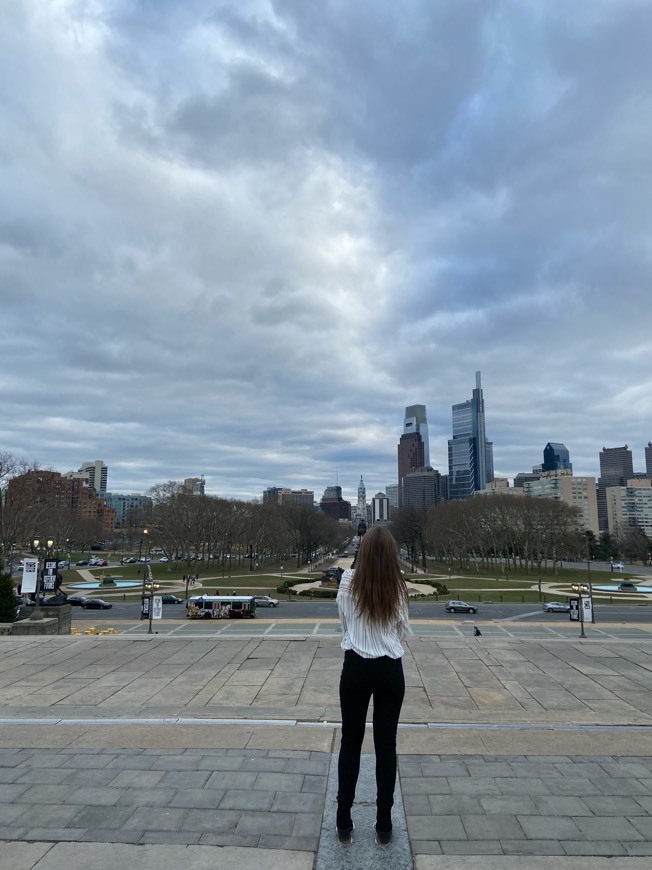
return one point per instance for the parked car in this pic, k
(265, 601)
(556, 607)
(97, 563)
(170, 599)
(82, 562)
(460, 607)
(64, 564)
(164, 559)
(128, 560)
(76, 600)
(627, 586)
(96, 604)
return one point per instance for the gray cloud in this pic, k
(238, 238)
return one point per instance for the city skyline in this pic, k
(237, 240)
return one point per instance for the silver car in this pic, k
(265, 601)
(556, 607)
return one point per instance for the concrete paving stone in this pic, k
(179, 762)
(638, 848)
(258, 764)
(645, 802)
(452, 805)
(47, 776)
(547, 759)
(508, 804)
(279, 781)
(185, 778)
(196, 798)
(556, 805)
(50, 816)
(494, 827)
(44, 760)
(106, 835)
(135, 778)
(156, 818)
(247, 799)
(535, 768)
(614, 805)
(55, 835)
(315, 766)
(99, 796)
(211, 820)
(10, 791)
(97, 761)
(91, 777)
(10, 812)
(220, 762)
(553, 828)
(615, 786)
(532, 847)
(169, 838)
(591, 770)
(266, 823)
(435, 828)
(427, 785)
(626, 768)
(444, 768)
(12, 832)
(10, 774)
(138, 762)
(606, 848)
(226, 779)
(295, 753)
(300, 844)
(428, 847)
(409, 768)
(290, 802)
(307, 825)
(466, 847)
(494, 769)
(224, 838)
(574, 786)
(528, 785)
(22, 856)
(642, 824)
(145, 797)
(45, 794)
(314, 784)
(109, 818)
(416, 804)
(473, 786)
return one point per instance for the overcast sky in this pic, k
(238, 237)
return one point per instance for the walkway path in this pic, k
(153, 751)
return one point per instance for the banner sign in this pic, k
(157, 609)
(574, 609)
(587, 606)
(49, 576)
(144, 607)
(30, 571)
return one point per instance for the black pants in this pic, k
(362, 679)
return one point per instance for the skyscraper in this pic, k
(648, 459)
(470, 455)
(410, 457)
(96, 475)
(556, 457)
(416, 421)
(616, 468)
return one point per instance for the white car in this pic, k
(265, 601)
(556, 607)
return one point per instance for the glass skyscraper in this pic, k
(416, 421)
(470, 455)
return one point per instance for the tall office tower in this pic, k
(416, 421)
(616, 468)
(333, 505)
(556, 457)
(421, 488)
(95, 474)
(391, 491)
(194, 485)
(410, 457)
(470, 455)
(379, 509)
(648, 459)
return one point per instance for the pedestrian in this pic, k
(373, 605)
(477, 632)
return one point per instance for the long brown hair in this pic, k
(378, 588)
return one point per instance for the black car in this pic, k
(170, 599)
(96, 604)
(82, 562)
(76, 600)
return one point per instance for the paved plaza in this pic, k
(161, 750)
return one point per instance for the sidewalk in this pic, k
(167, 751)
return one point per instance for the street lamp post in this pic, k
(46, 549)
(144, 589)
(581, 589)
(251, 556)
(588, 568)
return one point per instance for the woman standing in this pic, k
(373, 604)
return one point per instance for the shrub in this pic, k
(8, 600)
